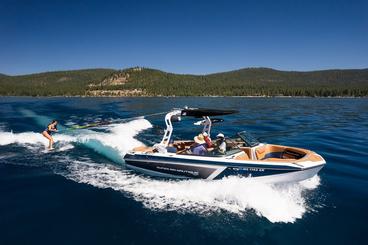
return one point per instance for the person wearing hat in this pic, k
(208, 140)
(221, 144)
(199, 148)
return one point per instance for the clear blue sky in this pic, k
(182, 36)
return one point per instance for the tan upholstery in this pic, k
(243, 156)
(247, 150)
(143, 149)
(272, 159)
(261, 152)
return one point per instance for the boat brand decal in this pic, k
(174, 169)
(180, 171)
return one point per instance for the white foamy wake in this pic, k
(33, 140)
(236, 195)
(283, 203)
(7, 138)
(118, 136)
(114, 143)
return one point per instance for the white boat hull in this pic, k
(191, 167)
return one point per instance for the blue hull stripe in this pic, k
(185, 170)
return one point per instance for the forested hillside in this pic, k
(66, 83)
(149, 82)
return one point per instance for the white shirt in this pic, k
(222, 147)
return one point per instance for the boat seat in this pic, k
(269, 155)
(246, 150)
(182, 146)
(143, 148)
(261, 152)
(273, 159)
(243, 156)
(275, 151)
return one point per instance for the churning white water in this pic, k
(277, 203)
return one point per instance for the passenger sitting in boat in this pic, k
(221, 144)
(199, 145)
(208, 140)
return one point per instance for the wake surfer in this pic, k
(48, 131)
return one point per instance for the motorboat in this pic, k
(244, 155)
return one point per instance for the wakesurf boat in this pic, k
(243, 155)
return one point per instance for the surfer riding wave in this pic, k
(48, 132)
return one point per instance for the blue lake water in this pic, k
(81, 193)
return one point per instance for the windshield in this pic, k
(248, 139)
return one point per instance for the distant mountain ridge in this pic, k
(140, 81)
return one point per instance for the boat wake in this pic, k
(113, 143)
(277, 203)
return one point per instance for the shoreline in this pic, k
(175, 96)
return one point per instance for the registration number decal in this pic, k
(249, 169)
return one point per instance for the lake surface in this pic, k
(81, 192)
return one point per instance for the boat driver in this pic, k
(221, 144)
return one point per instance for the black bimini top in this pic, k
(202, 112)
